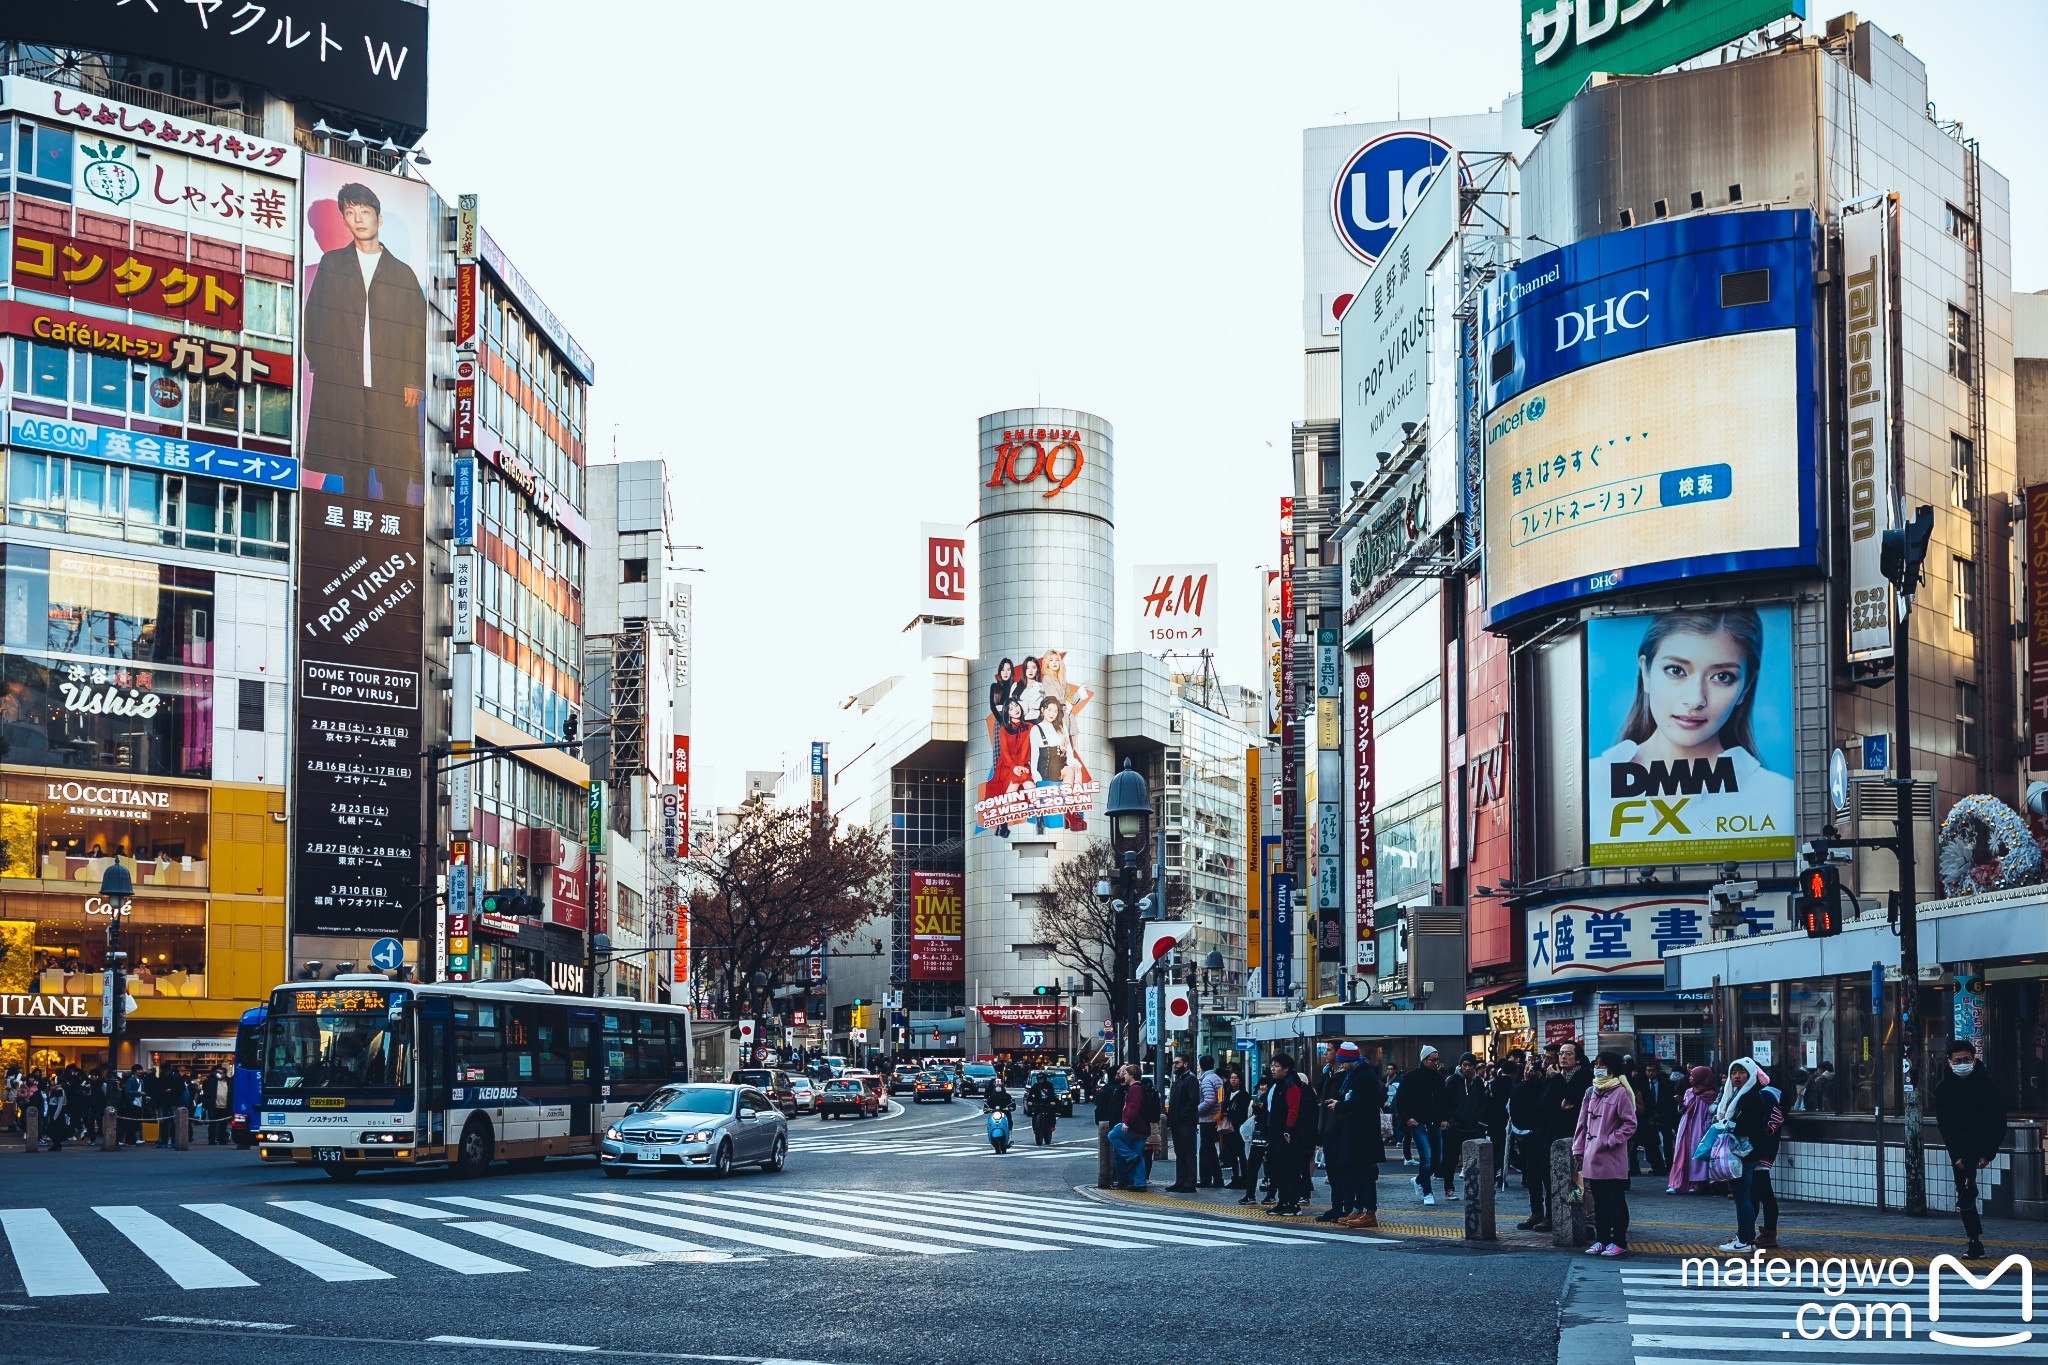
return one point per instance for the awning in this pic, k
(1367, 1024)
(1559, 998)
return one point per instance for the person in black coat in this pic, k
(1182, 1102)
(1525, 1137)
(1042, 1103)
(1464, 1117)
(1971, 1113)
(1500, 1094)
(364, 415)
(1418, 1112)
(1353, 1147)
(1109, 1112)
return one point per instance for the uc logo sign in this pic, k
(1380, 185)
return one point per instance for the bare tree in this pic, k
(775, 885)
(1079, 928)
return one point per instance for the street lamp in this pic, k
(117, 892)
(1130, 834)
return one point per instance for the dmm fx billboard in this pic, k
(1689, 731)
(1566, 41)
(1600, 938)
(1870, 395)
(1650, 410)
(938, 926)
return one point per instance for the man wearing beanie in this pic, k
(1418, 1109)
(1352, 1145)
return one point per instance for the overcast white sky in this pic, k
(810, 244)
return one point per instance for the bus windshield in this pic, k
(348, 1040)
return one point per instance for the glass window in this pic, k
(221, 404)
(275, 406)
(47, 376)
(45, 154)
(1959, 359)
(1962, 470)
(1967, 713)
(267, 307)
(1962, 593)
(479, 1043)
(107, 384)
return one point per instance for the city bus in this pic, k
(245, 1083)
(364, 1073)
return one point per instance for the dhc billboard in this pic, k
(1651, 403)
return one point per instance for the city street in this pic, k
(904, 1239)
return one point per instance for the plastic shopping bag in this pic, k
(1706, 1143)
(1722, 1163)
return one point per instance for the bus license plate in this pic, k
(327, 1156)
(647, 1154)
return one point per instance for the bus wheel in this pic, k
(473, 1157)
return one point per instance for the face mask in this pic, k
(1599, 1073)
(1963, 1068)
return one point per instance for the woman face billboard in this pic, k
(1689, 737)
(1036, 772)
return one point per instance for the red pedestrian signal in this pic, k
(1820, 902)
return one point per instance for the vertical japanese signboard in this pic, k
(2037, 627)
(1329, 812)
(681, 750)
(1364, 875)
(1270, 598)
(818, 780)
(1870, 398)
(1254, 865)
(362, 541)
(596, 798)
(1290, 707)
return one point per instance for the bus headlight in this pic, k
(386, 1137)
(269, 1136)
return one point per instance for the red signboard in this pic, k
(2037, 626)
(568, 901)
(119, 278)
(462, 434)
(197, 357)
(1365, 875)
(1024, 1016)
(937, 926)
(1290, 728)
(945, 569)
(465, 304)
(682, 783)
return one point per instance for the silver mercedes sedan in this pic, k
(704, 1127)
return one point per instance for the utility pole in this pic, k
(1903, 553)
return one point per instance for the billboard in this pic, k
(938, 937)
(1689, 736)
(1650, 410)
(945, 569)
(1173, 607)
(362, 542)
(1270, 595)
(1870, 396)
(2036, 576)
(1605, 937)
(1566, 41)
(1385, 335)
(1038, 774)
(1364, 796)
(365, 56)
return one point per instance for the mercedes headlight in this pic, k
(612, 1134)
(701, 1135)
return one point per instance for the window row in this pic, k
(119, 384)
(147, 506)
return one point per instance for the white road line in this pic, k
(1691, 1348)
(605, 1203)
(632, 1237)
(1155, 1226)
(315, 1258)
(898, 1207)
(736, 1211)
(872, 1220)
(224, 1322)
(526, 1239)
(399, 1206)
(508, 1345)
(191, 1265)
(46, 1258)
(1118, 1213)
(432, 1250)
(1079, 1222)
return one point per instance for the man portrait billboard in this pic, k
(1690, 736)
(1036, 775)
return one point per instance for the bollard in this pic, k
(32, 1128)
(1567, 1220)
(110, 1129)
(181, 1129)
(1476, 1162)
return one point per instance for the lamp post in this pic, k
(1901, 554)
(1130, 835)
(117, 892)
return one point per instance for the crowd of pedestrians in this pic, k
(66, 1104)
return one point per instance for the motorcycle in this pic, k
(999, 1129)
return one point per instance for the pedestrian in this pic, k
(1352, 1145)
(1601, 1147)
(8, 1109)
(161, 1092)
(1744, 1113)
(220, 1102)
(1561, 1100)
(1254, 1132)
(1109, 1112)
(56, 1114)
(1696, 1113)
(1464, 1117)
(1128, 1137)
(1525, 1133)
(1820, 1091)
(1763, 1156)
(1500, 1096)
(1208, 1116)
(134, 1095)
(1407, 1136)
(1183, 1118)
(1041, 1106)
(1291, 1117)
(1230, 1126)
(1971, 1113)
(1418, 1111)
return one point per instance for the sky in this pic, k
(810, 244)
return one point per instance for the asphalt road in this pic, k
(900, 1239)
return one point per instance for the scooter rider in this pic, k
(999, 1097)
(1001, 1107)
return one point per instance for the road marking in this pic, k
(47, 1260)
(1168, 1227)
(399, 1206)
(191, 1265)
(315, 1258)
(633, 1237)
(526, 1239)
(1086, 1234)
(507, 1345)
(430, 1249)
(689, 1224)
(895, 1208)
(1691, 1349)
(735, 1211)
(836, 1221)
(224, 1322)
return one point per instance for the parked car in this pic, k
(876, 1085)
(773, 1080)
(975, 1076)
(903, 1080)
(698, 1127)
(932, 1085)
(847, 1096)
(806, 1092)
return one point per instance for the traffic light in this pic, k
(1901, 553)
(860, 1014)
(1820, 902)
(1051, 992)
(512, 902)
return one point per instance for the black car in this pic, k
(903, 1080)
(1062, 1087)
(932, 1085)
(772, 1081)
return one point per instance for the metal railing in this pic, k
(92, 79)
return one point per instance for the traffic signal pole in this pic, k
(1909, 932)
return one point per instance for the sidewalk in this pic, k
(1660, 1224)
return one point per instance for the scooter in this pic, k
(999, 1129)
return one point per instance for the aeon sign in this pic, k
(1379, 187)
(1040, 453)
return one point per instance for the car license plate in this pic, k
(327, 1156)
(647, 1154)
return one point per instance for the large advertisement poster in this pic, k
(938, 940)
(1689, 736)
(362, 541)
(1036, 720)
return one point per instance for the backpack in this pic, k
(1154, 1109)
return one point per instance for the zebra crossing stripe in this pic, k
(48, 1262)
(399, 1206)
(526, 1239)
(1156, 1227)
(607, 1203)
(430, 1249)
(315, 1258)
(189, 1264)
(847, 1213)
(902, 1207)
(632, 1237)
(737, 1211)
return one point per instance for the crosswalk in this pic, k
(1671, 1318)
(118, 1248)
(958, 1144)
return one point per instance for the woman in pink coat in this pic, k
(1607, 1120)
(1696, 1111)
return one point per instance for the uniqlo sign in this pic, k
(945, 568)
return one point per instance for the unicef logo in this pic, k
(1379, 186)
(1535, 409)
